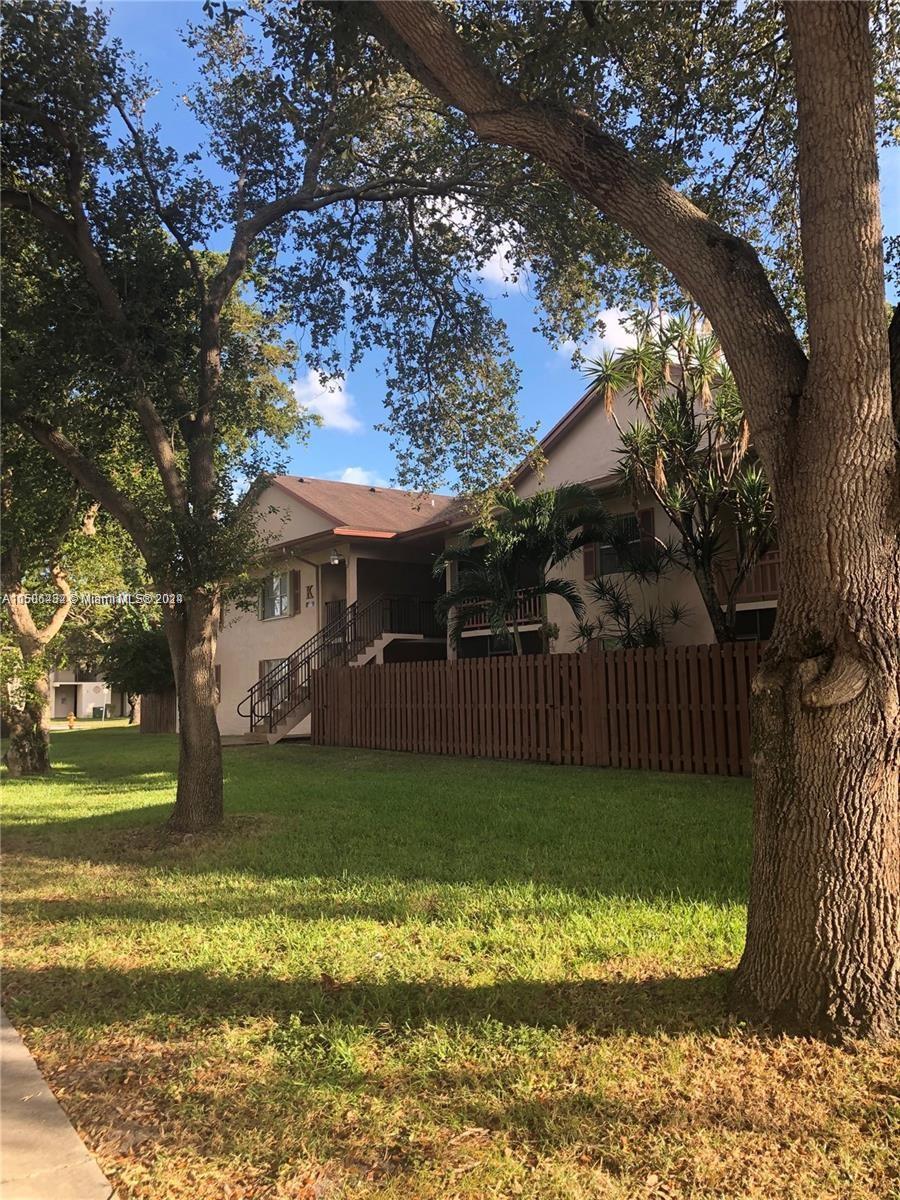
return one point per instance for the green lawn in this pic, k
(396, 976)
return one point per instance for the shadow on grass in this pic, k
(96, 997)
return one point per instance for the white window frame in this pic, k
(283, 597)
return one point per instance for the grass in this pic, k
(85, 724)
(393, 976)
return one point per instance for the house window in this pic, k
(630, 532)
(754, 624)
(275, 599)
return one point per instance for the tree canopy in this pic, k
(136, 660)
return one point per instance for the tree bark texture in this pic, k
(28, 749)
(824, 920)
(822, 943)
(192, 645)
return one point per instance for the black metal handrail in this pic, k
(286, 686)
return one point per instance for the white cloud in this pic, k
(331, 401)
(358, 475)
(499, 268)
(616, 336)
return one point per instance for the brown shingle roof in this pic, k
(359, 507)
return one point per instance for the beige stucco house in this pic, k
(335, 548)
(349, 578)
(85, 694)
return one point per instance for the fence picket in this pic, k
(684, 708)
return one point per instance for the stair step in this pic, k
(331, 645)
(256, 738)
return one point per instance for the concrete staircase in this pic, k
(281, 700)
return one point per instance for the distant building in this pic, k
(85, 695)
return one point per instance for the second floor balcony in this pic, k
(528, 611)
(760, 584)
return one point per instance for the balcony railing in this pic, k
(761, 583)
(529, 611)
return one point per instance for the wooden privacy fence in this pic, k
(676, 708)
(158, 712)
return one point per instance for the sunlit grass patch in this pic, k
(391, 976)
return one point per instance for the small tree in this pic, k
(325, 223)
(137, 660)
(504, 558)
(625, 619)
(690, 449)
(54, 544)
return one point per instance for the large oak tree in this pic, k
(822, 941)
(144, 256)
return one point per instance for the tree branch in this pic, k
(720, 271)
(90, 477)
(53, 626)
(48, 217)
(77, 236)
(158, 207)
(37, 116)
(378, 191)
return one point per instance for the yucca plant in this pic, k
(507, 555)
(690, 449)
(626, 615)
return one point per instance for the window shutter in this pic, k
(217, 671)
(263, 664)
(645, 524)
(589, 560)
(295, 592)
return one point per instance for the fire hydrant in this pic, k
(71, 719)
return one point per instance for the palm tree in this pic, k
(523, 536)
(690, 450)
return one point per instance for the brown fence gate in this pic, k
(676, 708)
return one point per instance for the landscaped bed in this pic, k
(413, 977)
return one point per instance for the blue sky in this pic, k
(347, 446)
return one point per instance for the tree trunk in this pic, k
(516, 637)
(823, 929)
(134, 709)
(824, 919)
(198, 801)
(28, 752)
(722, 627)
(821, 950)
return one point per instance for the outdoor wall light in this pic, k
(335, 559)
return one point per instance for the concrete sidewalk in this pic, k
(41, 1155)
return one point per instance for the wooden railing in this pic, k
(760, 584)
(529, 611)
(676, 708)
